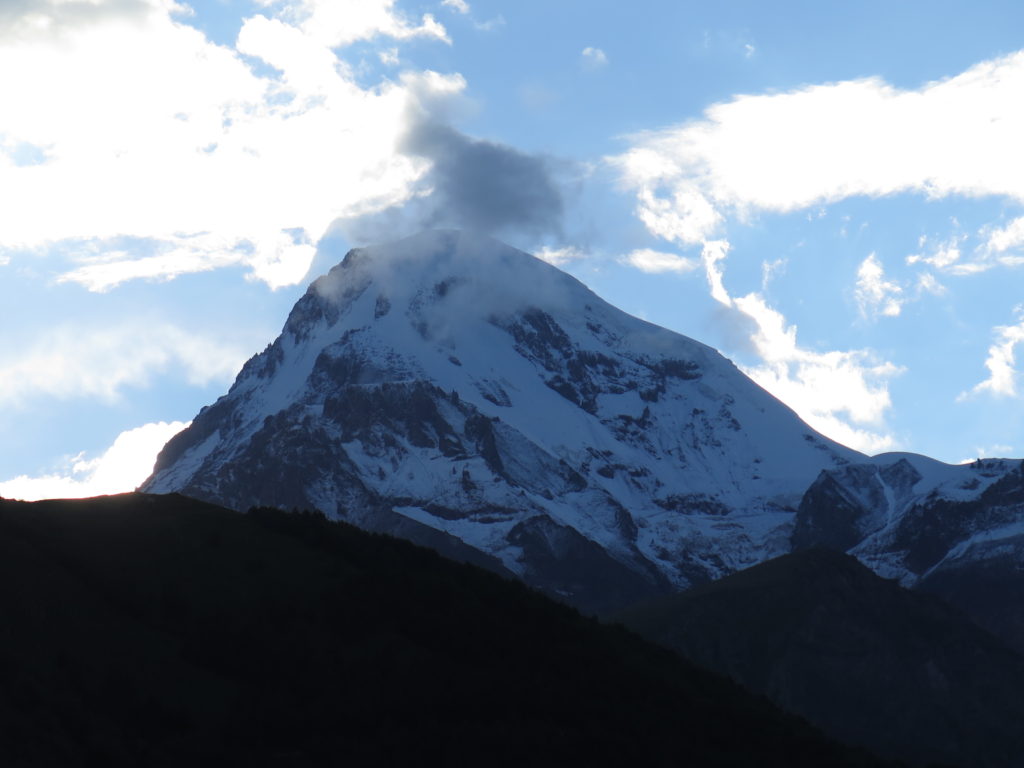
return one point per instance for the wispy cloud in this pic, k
(654, 262)
(1003, 376)
(459, 6)
(875, 295)
(593, 59)
(1002, 241)
(842, 394)
(121, 468)
(560, 256)
(944, 256)
(83, 362)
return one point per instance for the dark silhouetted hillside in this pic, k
(156, 630)
(867, 661)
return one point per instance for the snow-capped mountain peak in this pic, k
(463, 393)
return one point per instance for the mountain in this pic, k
(956, 531)
(463, 394)
(162, 631)
(866, 660)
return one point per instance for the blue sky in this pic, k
(830, 194)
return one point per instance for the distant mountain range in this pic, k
(454, 391)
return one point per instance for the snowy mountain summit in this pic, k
(458, 392)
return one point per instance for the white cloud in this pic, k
(947, 257)
(593, 59)
(121, 468)
(1009, 237)
(190, 140)
(928, 283)
(1002, 375)
(769, 269)
(276, 258)
(651, 261)
(748, 50)
(459, 6)
(998, 249)
(875, 295)
(73, 362)
(841, 394)
(560, 256)
(782, 152)
(334, 24)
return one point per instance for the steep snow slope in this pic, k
(455, 390)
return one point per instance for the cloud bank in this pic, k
(824, 143)
(224, 155)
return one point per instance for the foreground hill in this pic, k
(158, 630)
(864, 659)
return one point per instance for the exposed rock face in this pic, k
(472, 397)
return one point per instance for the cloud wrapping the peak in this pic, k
(480, 185)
